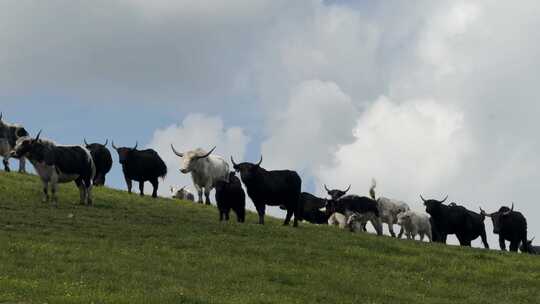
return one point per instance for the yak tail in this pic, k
(372, 189)
(163, 170)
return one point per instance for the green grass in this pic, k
(127, 249)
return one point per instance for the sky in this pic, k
(427, 97)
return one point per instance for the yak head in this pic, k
(12, 130)
(330, 206)
(496, 217)
(336, 194)
(247, 170)
(124, 152)
(403, 217)
(95, 146)
(433, 206)
(190, 159)
(333, 206)
(29, 147)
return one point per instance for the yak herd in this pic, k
(87, 165)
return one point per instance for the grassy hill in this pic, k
(128, 249)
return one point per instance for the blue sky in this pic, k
(427, 97)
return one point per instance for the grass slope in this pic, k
(128, 249)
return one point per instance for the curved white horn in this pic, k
(207, 154)
(176, 152)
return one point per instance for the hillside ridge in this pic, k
(131, 249)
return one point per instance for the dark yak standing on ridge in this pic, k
(141, 166)
(102, 159)
(231, 196)
(510, 225)
(273, 188)
(364, 207)
(454, 219)
(335, 194)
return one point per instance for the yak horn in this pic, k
(422, 198)
(85, 142)
(482, 212)
(509, 211)
(106, 142)
(176, 152)
(232, 161)
(348, 188)
(114, 147)
(207, 154)
(444, 199)
(260, 161)
(326, 188)
(136, 145)
(39, 133)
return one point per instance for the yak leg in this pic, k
(526, 245)
(45, 192)
(261, 210)
(391, 229)
(298, 213)
(514, 246)
(484, 238)
(129, 184)
(155, 185)
(200, 193)
(89, 200)
(141, 188)
(207, 195)
(240, 215)
(22, 165)
(54, 187)
(288, 217)
(430, 237)
(463, 241)
(502, 243)
(6, 164)
(401, 230)
(88, 188)
(82, 190)
(376, 222)
(443, 238)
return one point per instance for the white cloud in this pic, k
(318, 118)
(196, 131)
(411, 147)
